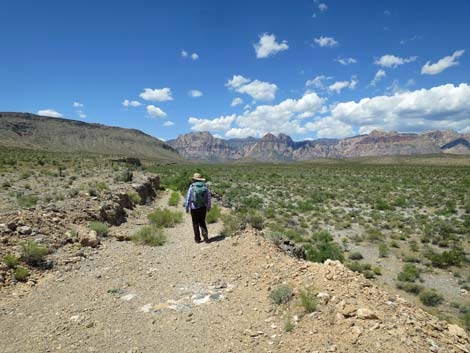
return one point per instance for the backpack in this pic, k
(198, 196)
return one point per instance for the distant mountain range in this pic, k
(272, 148)
(62, 135)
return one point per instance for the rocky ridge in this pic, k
(24, 130)
(203, 146)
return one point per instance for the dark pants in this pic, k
(199, 220)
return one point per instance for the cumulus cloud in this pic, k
(393, 61)
(156, 95)
(326, 42)
(81, 114)
(268, 46)
(340, 85)
(258, 90)
(127, 103)
(184, 54)
(380, 74)
(236, 101)
(240, 133)
(330, 128)
(49, 112)
(442, 64)
(439, 108)
(168, 123)
(195, 93)
(77, 105)
(194, 56)
(346, 61)
(155, 112)
(322, 7)
(222, 123)
(317, 82)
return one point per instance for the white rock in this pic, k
(457, 331)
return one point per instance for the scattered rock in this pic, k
(366, 314)
(457, 331)
(25, 230)
(89, 238)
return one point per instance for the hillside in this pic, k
(31, 131)
(271, 148)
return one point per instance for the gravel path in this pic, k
(188, 297)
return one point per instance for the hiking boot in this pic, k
(197, 240)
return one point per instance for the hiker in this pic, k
(198, 200)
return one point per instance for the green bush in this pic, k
(466, 320)
(308, 300)
(124, 177)
(101, 186)
(165, 218)
(255, 220)
(412, 288)
(275, 237)
(26, 201)
(430, 297)
(453, 257)
(21, 274)
(11, 261)
(134, 197)
(174, 199)
(32, 253)
(281, 294)
(409, 273)
(232, 224)
(322, 247)
(355, 256)
(289, 326)
(149, 235)
(383, 250)
(213, 215)
(100, 228)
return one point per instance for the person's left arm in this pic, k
(208, 199)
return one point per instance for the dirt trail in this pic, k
(188, 297)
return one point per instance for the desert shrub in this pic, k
(374, 234)
(100, 228)
(232, 224)
(213, 215)
(275, 236)
(355, 256)
(174, 199)
(430, 297)
(33, 254)
(255, 220)
(289, 325)
(322, 247)
(72, 193)
(453, 257)
(134, 197)
(165, 218)
(21, 274)
(377, 270)
(308, 300)
(281, 294)
(409, 273)
(101, 186)
(10, 260)
(466, 320)
(92, 192)
(26, 201)
(412, 288)
(383, 250)
(124, 177)
(149, 235)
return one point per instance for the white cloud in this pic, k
(317, 82)
(346, 61)
(127, 103)
(442, 64)
(322, 7)
(156, 95)
(240, 133)
(439, 108)
(380, 74)
(393, 61)
(168, 123)
(330, 128)
(267, 46)
(155, 112)
(387, 13)
(326, 41)
(219, 124)
(195, 93)
(184, 54)
(194, 56)
(50, 112)
(340, 85)
(258, 90)
(236, 101)
(77, 105)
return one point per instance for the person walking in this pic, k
(198, 200)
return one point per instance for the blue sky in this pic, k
(310, 69)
